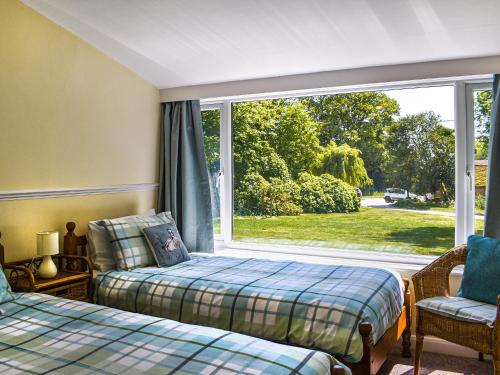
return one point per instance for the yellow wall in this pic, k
(69, 117)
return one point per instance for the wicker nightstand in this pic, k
(73, 280)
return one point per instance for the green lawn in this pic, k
(369, 229)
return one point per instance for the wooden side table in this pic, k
(73, 280)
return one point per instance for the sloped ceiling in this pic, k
(174, 43)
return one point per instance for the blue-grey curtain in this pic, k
(492, 216)
(184, 183)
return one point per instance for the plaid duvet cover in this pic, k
(42, 334)
(309, 305)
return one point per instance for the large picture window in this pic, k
(376, 170)
(366, 171)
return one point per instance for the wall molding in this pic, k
(71, 192)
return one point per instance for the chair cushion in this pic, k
(481, 279)
(461, 308)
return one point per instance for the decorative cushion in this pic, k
(99, 246)
(481, 278)
(6, 294)
(129, 246)
(166, 244)
(461, 308)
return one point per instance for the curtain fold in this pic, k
(184, 183)
(492, 215)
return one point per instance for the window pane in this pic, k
(211, 129)
(301, 166)
(482, 112)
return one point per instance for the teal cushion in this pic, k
(5, 291)
(481, 279)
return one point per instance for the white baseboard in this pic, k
(440, 346)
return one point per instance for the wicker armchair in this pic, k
(433, 281)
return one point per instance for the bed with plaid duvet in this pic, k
(43, 334)
(308, 305)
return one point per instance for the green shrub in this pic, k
(480, 202)
(276, 197)
(325, 194)
(343, 162)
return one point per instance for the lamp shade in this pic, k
(47, 243)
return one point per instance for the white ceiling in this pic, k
(174, 43)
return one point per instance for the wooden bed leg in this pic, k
(407, 332)
(338, 370)
(365, 366)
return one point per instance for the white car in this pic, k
(396, 194)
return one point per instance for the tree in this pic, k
(422, 154)
(294, 136)
(253, 123)
(275, 141)
(482, 111)
(360, 120)
(211, 130)
(482, 114)
(343, 162)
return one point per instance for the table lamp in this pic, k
(47, 244)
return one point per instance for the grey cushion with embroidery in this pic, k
(166, 244)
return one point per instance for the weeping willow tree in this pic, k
(343, 162)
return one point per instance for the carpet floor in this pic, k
(436, 364)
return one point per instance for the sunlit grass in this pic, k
(369, 229)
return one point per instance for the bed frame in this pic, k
(374, 354)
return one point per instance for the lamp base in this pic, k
(47, 269)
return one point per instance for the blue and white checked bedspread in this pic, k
(42, 334)
(309, 305)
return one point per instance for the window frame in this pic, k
(464, 88)
(218, 107)
(470, 89)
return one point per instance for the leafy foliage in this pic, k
(343, 162)
(422, 155)
(480, 202)
(211, 130)
(307, 153)
(482, 113)
(253, 123)
(326, 194)
(360, 120)
(262, 198)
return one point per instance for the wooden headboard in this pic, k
(73, 244)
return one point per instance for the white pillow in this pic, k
(99, 246)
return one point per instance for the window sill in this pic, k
(402, 263)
